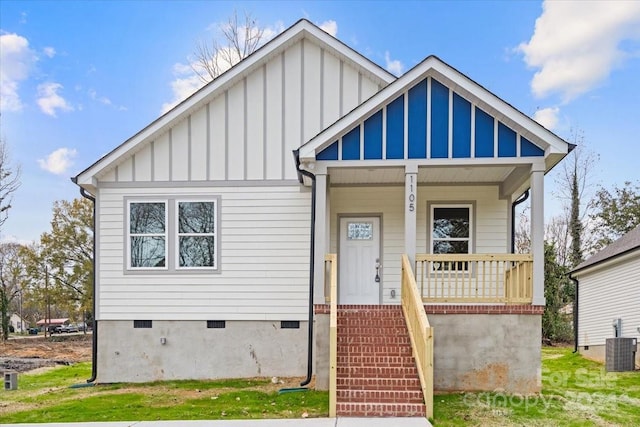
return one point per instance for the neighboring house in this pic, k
(18, 323)
(609, 289)
(205, 218)
(52, 323)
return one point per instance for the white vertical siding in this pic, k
(142, 163)
(217, 144)
(293, 111)
(605, 294)
(199, 144)
(249, 130)
(255, 125)
(264, 244)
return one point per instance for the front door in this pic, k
(359, 261)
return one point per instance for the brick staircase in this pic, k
(376, 372)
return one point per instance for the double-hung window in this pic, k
(451, 232)
(172, 234)
(196, 244)
(147, 235)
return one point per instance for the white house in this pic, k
(609, 296)
(18, 323)
(205, 220)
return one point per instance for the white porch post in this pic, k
(321, 240)
(410, 209)
(537, 231)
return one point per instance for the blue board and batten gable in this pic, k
(435, 114)
(440, 124)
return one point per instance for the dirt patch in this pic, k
(25, 354)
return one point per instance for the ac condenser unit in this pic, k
(620, 354)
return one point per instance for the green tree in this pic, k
(11, 281)
(616, 212)
(555, 327)
(64, 254)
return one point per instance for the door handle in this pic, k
(378, 265)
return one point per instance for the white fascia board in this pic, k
(298, 31)
(456, 81)
(607, 263)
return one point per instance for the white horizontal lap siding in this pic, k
(385, 201)
(606, 294)
(264, 264)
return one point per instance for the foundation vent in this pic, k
(216, 324)
(138, 324)
(290, 324)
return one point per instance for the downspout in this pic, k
(575, 313)
(94, 335)
(312, 177)
(522, 199)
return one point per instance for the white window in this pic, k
(196, 229)
(172, 234)
(147, 235)
(451, 232)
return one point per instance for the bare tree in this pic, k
(571, 231)
(9, 182)
(240, 39)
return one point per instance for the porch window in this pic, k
(451, 231)
(147, 234)
(196, 234)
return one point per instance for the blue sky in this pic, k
(80, 77)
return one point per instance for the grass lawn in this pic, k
(47, 397)
(576, 392)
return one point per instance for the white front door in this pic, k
(359, 256)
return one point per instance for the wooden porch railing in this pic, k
(469, 278)
(420, 331)
(331, 261)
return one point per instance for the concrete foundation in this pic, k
(599, 353)
(472, 352)
(189, 350)
(487, 352)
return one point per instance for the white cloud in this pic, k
(330, 27)
(187, 81)
(49, 51)
(547, 117)
(575, 45)
(393, 66)
(59, 161)
(49, 100)
(16, 62)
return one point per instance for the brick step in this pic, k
(372, 349)
(380, 409)
(379, 372)
(373, 331)
(378, 361)
(401, 384)
(380, 396)
(374, 341)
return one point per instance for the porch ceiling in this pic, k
(426, 175)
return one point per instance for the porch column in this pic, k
(410, 209)
(321, 240)
(537, 231)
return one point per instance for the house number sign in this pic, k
(411, 194)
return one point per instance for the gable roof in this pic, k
(303, 29)
(625, 244)
(554, 147)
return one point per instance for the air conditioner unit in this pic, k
(620, 354)
(10, 380)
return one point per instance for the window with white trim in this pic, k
(196, 229)
(172, 234)
(451, 231)
(147, 235)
